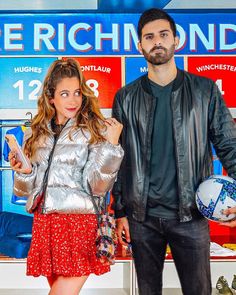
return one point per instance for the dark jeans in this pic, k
(190, 248)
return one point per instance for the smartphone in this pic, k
(15, 147)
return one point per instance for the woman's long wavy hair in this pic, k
(89, 116)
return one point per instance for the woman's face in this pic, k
(67, 99)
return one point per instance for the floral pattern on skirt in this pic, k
(64, 244)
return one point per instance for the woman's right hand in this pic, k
(16, 165)
(113, 131)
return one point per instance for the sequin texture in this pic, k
(64, 244)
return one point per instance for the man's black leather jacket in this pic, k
(199, 117)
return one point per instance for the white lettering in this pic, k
(224, 28)
(40, 36)
(85, 37)
(195, 32)
(28, 69)
(61, 37)
(182, 37)
(72, 37)
(130, 35)
(113, 36)
(9, 37)
(96, 69)
(143, 69)
(213, 67)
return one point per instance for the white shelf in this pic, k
(120, 281)
(23, 292)
(166, 291)
(45, 292)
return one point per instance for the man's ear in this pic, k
(176, 42)
(140, 49)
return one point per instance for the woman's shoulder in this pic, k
(27, 133)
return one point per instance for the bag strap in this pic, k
(96, 209)
(45, 178)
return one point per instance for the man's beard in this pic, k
(159, 58)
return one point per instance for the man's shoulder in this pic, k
(131, 87)
(197, 78)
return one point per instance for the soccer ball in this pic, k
(216, 194)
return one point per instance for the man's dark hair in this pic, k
(154, 14)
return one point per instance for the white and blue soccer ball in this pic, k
(214, 195)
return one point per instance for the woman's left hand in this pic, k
(113, 131)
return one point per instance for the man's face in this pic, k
(158, 43)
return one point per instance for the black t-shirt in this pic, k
(163, 193)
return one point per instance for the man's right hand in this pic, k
(123, 231)
(230, 223)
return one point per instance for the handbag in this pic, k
(106, 241)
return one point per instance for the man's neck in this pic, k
(162, 74)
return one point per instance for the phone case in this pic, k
(14, 146)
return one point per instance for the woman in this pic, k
(74, 153)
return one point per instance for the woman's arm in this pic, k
(24, 183)
(104, 161)
(23, 178)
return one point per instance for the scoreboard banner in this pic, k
(21, 80)
(137, 66)
(221, 69)
(103, 76)
(110, 34)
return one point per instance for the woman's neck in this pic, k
(57, 128)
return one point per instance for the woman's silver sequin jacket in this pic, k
(75, 164)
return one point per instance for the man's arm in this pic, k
(223, 136)
(117, 189)
(222, 132)
(118, 206)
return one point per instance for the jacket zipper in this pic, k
(176, 158)
(49, 165)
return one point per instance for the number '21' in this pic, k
(33, 95)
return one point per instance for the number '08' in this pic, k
(93, 84)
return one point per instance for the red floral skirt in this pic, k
(64, 244)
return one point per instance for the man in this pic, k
(170, 118)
